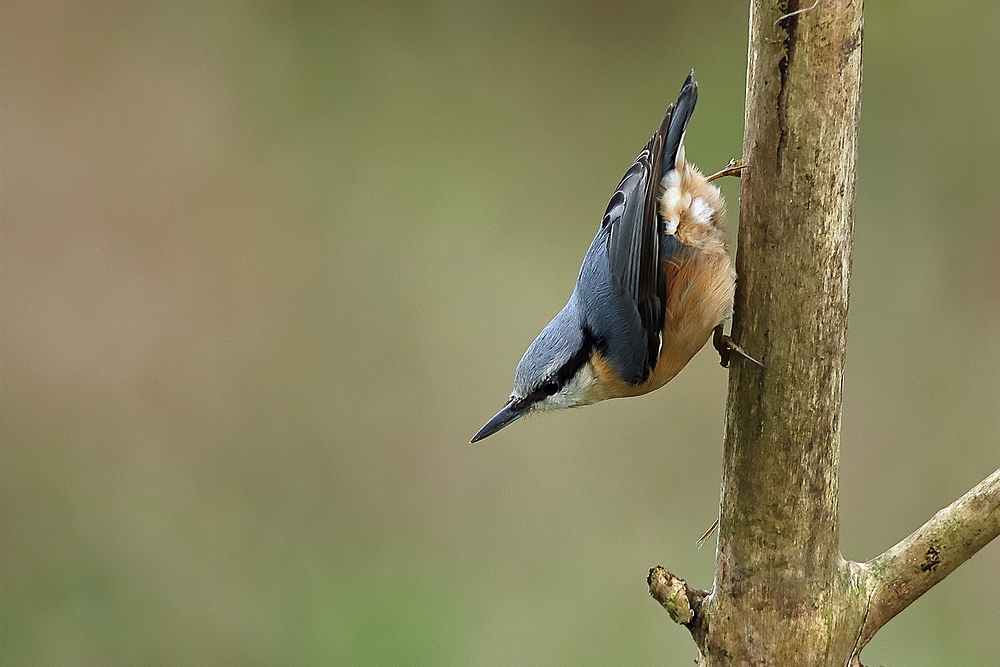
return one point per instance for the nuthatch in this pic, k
(654, 285)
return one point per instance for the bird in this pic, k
(655, 284)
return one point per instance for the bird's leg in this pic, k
(734, 168)
(719, 342)
(725, 346)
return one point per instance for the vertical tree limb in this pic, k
(783, 594)
(778, 568)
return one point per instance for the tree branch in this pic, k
(932, 552)
(682, 602)
(783, 594)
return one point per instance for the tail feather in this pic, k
(675, 123)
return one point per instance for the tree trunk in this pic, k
(779, 549)
(783, 594)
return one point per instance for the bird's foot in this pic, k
(725, 346)
(734, 168)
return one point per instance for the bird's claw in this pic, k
(734, 168)
(725, 346)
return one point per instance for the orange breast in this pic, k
(700, 282)
(700, 289)
(699, 297)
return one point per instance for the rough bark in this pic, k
(781, 592)
(783, 595)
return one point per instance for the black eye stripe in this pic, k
(564, 374)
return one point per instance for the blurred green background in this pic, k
(266, 267)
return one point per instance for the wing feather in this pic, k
(633, 229)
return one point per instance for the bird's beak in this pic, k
(511, 412)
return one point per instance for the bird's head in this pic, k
(555, 372)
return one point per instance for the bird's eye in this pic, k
(550, 387)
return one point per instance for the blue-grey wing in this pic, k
(633, 251)
(626, 317)
(610, 315)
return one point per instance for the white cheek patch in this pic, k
(701, 212)
(572, 393)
